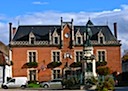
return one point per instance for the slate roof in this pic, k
(42, 31)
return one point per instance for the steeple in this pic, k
(89, 22)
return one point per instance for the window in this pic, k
(79, 40)
(12, 80)
(101, 56)
(101, 40)
(78, 37)
(56, 40)
(56, 56)
(79, 56)
(32, 40)
(32, 75)
(55, 37)
(32, 56)
(56, 74)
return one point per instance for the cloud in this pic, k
(124, 6)
(39, 3)
(80, 18)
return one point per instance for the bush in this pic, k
(105, 84)
(91, 81)
(70, 83)
(103, 71)
(101, 63)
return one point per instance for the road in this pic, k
(121, 89)
(116, 89)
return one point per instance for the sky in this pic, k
(48, 12)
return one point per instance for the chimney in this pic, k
(115, 29)
(14, 31)
(61, 23)
(10, 31)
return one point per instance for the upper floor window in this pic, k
(79, 40)
(32, 56)
(101, 56)
(78, 37)
(101, 39)
(56, 56)
(79, 56)
(31, 38)
(56, 40)
(55, 37)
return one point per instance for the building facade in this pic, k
(44, 52)
(5, 66)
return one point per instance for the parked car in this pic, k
(16, 82)
(53, 84)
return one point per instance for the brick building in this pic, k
(44, 52)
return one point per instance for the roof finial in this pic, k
(18, 22)
(107, 22)
(61, 19)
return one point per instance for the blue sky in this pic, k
(20, 7)
(31, 12)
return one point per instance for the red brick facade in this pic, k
(44, 57)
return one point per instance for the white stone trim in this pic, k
(75, 54)
(31, 35)
(56, 69)
(29, 73)
(100, 34)
(101, 50)
(78, 35)
(32, 51)
(55, 34)
(56, 51)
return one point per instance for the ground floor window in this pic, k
(32, 75)
(56, 74)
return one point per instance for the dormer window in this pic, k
(31, 38)
(78, 37)
(55, 38)
(101, 39)
(79, 40)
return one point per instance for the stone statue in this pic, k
(88, 32)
